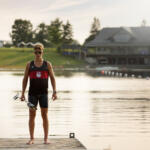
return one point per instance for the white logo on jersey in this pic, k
(38, 74)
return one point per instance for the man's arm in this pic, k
(25, 81)
(52, 78)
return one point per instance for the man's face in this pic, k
(38, 52)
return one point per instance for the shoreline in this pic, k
(90, 68)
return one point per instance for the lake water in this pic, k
(103, 112)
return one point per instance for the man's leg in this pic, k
(32, 114)
(44, 114)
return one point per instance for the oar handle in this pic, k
(29, 104)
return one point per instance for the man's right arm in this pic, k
(25, 81)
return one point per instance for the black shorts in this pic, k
(42, 99)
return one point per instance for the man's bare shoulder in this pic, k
(28, 64)
(49, 64)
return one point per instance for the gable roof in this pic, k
(139, 35)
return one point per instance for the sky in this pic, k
(80, 13)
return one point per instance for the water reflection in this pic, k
(101, 111)
(67, 73)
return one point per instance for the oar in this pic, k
(29, 104)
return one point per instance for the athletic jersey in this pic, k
(38, 79)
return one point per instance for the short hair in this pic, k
(39, 45)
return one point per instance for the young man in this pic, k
(38, 71)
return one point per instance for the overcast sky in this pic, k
(80, 13)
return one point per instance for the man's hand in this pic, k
(54, 96)
(22, 97)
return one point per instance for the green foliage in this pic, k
(67, 36)
(55, 32)
(21, 31)
(75, 42)
(90, 38)
(7, 45)
(95, 27)
(41, 34)
(143, 23)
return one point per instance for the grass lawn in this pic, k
(18, 57)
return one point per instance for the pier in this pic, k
(55, 144)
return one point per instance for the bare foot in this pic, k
(46, 141)
(31, 141)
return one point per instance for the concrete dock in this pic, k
(55, 144)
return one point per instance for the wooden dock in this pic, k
(55, 144)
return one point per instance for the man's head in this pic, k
(38, 49)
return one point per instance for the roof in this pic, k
(106, 36)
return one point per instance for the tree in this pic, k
(75, 42)
(67, 35)
(95, 27)
(55, 32)
(144, 23)
(41, 34)
(21, 31)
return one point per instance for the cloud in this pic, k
(61, 4)
(80, 13)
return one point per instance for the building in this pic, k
(120, 46)
(23, 44)
(1, 43)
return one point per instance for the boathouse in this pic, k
(120, 46)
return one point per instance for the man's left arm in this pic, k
(52, 78)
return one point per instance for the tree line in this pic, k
(55, 34)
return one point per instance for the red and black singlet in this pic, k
(38, 79)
